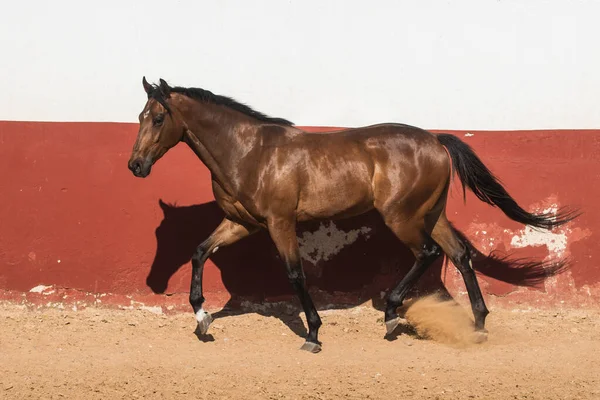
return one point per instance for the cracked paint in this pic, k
(39, 289)
(556, 243)
(328, 241)
(489, 237)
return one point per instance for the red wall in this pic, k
(73, 217)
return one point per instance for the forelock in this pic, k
(157, 95)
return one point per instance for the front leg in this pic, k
(283, 233)
(228, 232)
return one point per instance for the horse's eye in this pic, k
(158, 120)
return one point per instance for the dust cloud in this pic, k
(443, 321)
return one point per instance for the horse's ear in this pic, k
(164, 206)
(147, 86)
(165, 89)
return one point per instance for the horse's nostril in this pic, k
(136, 167)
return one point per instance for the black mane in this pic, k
(208, 96)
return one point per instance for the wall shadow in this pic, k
(251, 269)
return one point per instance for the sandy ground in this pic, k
(110, 354)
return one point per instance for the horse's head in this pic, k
(161, 127)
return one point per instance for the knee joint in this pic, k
(295, 276)
(200, 253)
(462, 260)
(429, 251)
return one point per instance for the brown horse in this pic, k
(266, 173)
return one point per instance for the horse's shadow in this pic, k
(352, 274)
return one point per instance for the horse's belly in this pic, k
(337, 198)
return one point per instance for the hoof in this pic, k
(392, 324)
(311, 347)
(204, 320)
(480, 336)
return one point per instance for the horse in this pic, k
(268, 174)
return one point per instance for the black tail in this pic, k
(477, 177)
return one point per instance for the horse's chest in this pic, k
(232, 207)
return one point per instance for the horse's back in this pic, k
(410, 166)
(373, 131)
(351, 171)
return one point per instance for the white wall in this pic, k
(464, 64)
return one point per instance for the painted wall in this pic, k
(75, 219)
(458, 64)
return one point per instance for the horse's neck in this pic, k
(219, 147)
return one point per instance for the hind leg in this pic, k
(457, 251)
(425, 256)
(426, 251)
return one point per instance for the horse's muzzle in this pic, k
(139, 168)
